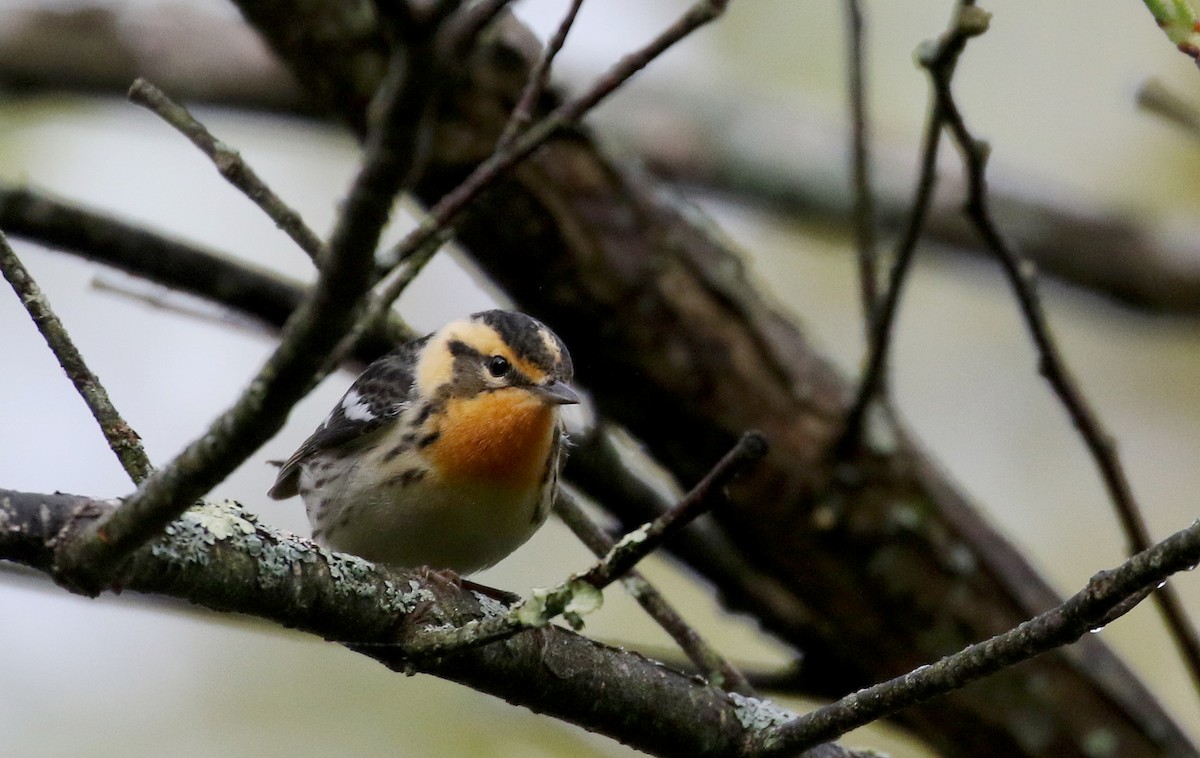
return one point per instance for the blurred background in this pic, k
(131, 676)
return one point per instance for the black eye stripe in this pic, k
(459, 348)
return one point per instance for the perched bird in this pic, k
(445, 452)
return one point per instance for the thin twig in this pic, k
(712, 665)
(1021, 276)
(1104, 599)
(122, 439)
(88, 560)
(539, 78)
(864, 200)
(880, 342)
(581, 594)
(229, 163)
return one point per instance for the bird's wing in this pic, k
(375, 400)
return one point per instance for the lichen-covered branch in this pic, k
(220, 556)
(1105, 598)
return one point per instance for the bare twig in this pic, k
(581, 594)
(1104, 599)
(712, 665)
(539, 78)
(229, 163)
(1021, 276)
(864, 200)
(87, 560)
(122, 439)
(880, 342)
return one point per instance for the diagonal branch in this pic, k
(707, 659)
(419, 245)
(860, 168)
(539, 78)
(230, 165)
(1106, 597)
(122, 439)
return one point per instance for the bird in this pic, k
(444, 453)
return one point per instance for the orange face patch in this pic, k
(501, 437)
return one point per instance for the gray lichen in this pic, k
(279, 557)
(757, 715)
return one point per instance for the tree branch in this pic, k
(95, 50)
(230, 165)
(219, 556)
(121, 438)
(707, 659)
(1105, 598)
(637, 289)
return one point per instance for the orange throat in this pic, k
(500, 437)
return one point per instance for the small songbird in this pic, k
(445, 452)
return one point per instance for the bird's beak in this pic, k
(556, 393)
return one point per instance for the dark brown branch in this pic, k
(95, 236)
(121, 438)
(860, 168)
(539, 78)
(101, 50)
(420, 244)
(597, 244)
(1021, 277)
(872, 383)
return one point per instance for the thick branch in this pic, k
(220, 557)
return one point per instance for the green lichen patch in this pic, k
(585, 599)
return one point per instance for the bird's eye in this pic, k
(498, 366)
